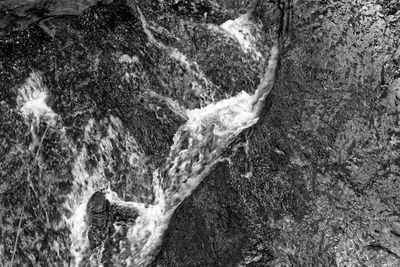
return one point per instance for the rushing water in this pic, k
(31, 100)
(198, 145)
(242, 30)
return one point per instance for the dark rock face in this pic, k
(313, 183)
(215, 227)
(98, 211)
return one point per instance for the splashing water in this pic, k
(241, 29)
(207, 133)
(84, 185)
(86, 182)
(198, 145)
(32, 101)
(32, 97)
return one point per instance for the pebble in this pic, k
(396, 228)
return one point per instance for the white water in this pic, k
(198, 146)
(128, 59)
(242, 29)
(88, 182)
(32, 97)
(31, 100)
(84, 185)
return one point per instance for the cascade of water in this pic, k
(88, 182)
(84, 185)
(198, 145)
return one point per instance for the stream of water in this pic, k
(198, 146)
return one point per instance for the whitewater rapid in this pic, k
(198, 146)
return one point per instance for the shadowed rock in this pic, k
(102, 215)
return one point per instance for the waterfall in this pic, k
(197, 146)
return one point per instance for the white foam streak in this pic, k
(206, 96)
(146, 29)
(202, 91)
(172, 104)
(79, 232)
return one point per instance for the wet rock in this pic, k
(97, 204)
(208, 228)
(102, 216)
(99, 219)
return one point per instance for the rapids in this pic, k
(198, 146)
